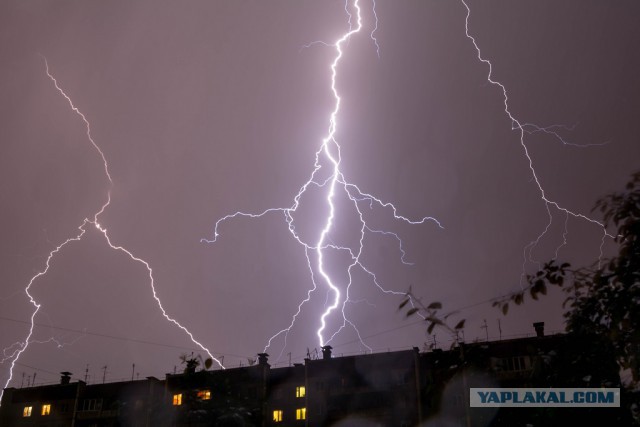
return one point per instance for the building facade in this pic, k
(400, 388)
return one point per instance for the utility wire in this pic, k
(113, 337)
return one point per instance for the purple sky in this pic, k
(206, 108)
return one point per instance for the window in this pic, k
(92, 404)
(26, 412)
(301, 414)
(515, 364)
(252, 392)
(46, 409)
(277, 415)
(204, 394)
(458, 400)
(300, 391)
(177, 399)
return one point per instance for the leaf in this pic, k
(460, 324)
(446, 316)
(435, 306)
(505, 309)
(208, 362)
(430, 328)
(519, 298)
(412, 311)
(403, 303)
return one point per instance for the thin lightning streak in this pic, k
(375, 28)
(554, 132)
(565, 232)
(328, 156)
(22, 346)
(103, 230)
(526, 128)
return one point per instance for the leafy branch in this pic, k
(430, 313)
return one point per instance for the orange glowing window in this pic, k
(26, 412)
(204, 394)
(301, 391)
(277, 416)
(177, 399)
(46, 409)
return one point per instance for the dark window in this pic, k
(252, 392)
(91, 405)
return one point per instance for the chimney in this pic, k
(539, 327)
(65, 377)
(326, 352)
(263, 358)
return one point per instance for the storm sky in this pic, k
(206, 108)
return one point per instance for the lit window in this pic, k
(27, 411)
(301, 414)
(277, 415)
(46, 410)
(300, 391)
(177, 399)
(204, 394)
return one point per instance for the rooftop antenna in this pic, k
(500, 329)
(486, 328)
(289, 358)
(22, 383)
(86, 373)
(34, 379)
(133, 370)
(104, 373)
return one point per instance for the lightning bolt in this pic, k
(523, 129)
(328, 176)
(14, 351)
(335, 185)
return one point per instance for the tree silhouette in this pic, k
(603, 299)
(192, 362)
